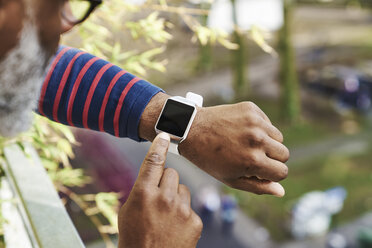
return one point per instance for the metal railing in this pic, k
(36, 213)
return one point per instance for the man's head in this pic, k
(29, 36)
(29, 31)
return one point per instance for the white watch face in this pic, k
(175, 118)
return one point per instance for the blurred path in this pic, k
(343, 144)
(263, 80)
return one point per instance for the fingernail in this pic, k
(164, 136)
(279, 190)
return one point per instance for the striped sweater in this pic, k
(81, 90)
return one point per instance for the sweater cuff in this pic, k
(142, 98)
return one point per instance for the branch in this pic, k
(84, 206)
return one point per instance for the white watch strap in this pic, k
(173, 148)
(197, 99)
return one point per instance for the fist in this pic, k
(238, 145)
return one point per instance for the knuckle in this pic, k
(250, 135)
(259, 137)
(254, 158)
(249, 105)
(255, 137)
(155, 158)
(244, 106)
(251, 119)
(170, 172)
(197, 223)
(184, 189)
(184, 211)
(166, 201)
(142, 193)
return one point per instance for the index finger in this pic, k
(152, 167)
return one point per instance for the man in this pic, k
(236, 144)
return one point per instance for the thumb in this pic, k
(152, 167)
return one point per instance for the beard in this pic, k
(21, 76)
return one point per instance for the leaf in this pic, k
(107, 203)
(71, 177)
(258, 36)
(151, 29)
(49, 164)
(65, 146)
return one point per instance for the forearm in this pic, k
(85, 91)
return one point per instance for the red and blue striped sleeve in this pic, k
(82, 90)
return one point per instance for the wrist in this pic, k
(150, 115)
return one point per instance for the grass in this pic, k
(354, 173)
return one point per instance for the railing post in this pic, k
(43, 214)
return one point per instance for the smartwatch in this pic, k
(176, 118)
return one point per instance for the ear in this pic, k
(65, 26)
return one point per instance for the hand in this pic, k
(158, 212)
(238, 145)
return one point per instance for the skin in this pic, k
(49, 21)
(236, 144)
(10, 26)
(158, 206)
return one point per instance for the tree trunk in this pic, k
(239, 59)
(291, 105)
(205, 51)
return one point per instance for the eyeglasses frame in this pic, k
(93, 5)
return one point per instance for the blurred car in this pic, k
(347, 87)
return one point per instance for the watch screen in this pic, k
(175, 118)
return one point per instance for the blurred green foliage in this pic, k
(113, 29)
(53, 143)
